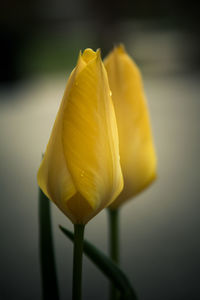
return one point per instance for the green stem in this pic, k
(47, 260)
(77, 262)
(107, 267)
(114, 244)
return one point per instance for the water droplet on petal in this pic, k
(110, 93)
(82, 173)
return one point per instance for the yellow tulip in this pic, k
(80, 171)
(138, 159)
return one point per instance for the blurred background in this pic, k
(39, 45)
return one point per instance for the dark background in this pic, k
(39, 46)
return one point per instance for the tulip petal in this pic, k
(53, 176)
(89, 135)
(138, 159)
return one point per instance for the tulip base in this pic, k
(77, 261)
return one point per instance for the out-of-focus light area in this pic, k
(40, 41)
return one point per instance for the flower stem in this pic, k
(47, 257)
(77, 262)
(114, 244)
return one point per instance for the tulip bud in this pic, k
(138, 159)
(80, 171)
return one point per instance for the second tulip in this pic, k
(137, 154)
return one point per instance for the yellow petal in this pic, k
(80, 170)
(138, 159)
(90, 137)
(53, 176)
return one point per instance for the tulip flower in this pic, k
(137, 154)
(80, 171)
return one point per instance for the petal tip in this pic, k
(98, 52)
(88, 55)
(120, 49)
(79, 55)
